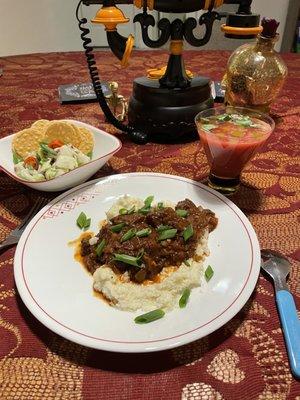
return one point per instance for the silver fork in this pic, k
(15, 235)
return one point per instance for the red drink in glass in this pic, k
(230, 139)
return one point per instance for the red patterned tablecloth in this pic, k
(246, 359)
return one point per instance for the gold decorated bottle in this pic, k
(256, 72)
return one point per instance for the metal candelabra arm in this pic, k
(163, 25)
(135, 136)
(207, 20)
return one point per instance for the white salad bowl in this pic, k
(105, 146)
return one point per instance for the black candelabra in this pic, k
(164, 109)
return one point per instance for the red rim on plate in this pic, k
(199, 185)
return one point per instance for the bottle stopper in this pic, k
(269, 27)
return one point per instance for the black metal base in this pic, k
(167, 115)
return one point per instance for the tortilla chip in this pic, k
(86, 140)
(63, 131)
(27, 141)
(40, 124)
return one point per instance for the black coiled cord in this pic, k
(135, 136)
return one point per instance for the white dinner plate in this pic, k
(58, 291)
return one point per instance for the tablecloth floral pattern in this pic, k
(245, 359)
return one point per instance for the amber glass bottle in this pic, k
(256, 72)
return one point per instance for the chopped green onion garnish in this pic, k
(242, 120)
(160, 205)
(100, 247)
(244, 123)
(149, 317)
(128, 235)
(209, 272)
(143, 232)
(205, 119)
(123, 211)
(144, 210)
(187, 263)
(188, 233)
(130, 260)
(148, 201)
(90, 154)
(161, 228)
(131, 210)
(117, 228)
(87, 223)
(224, 117)
(16, 158)
(147, 205)
(208, 127)
(167, 234)
(184, 298)
(82, 221)
(182, 213)
(140, 254)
